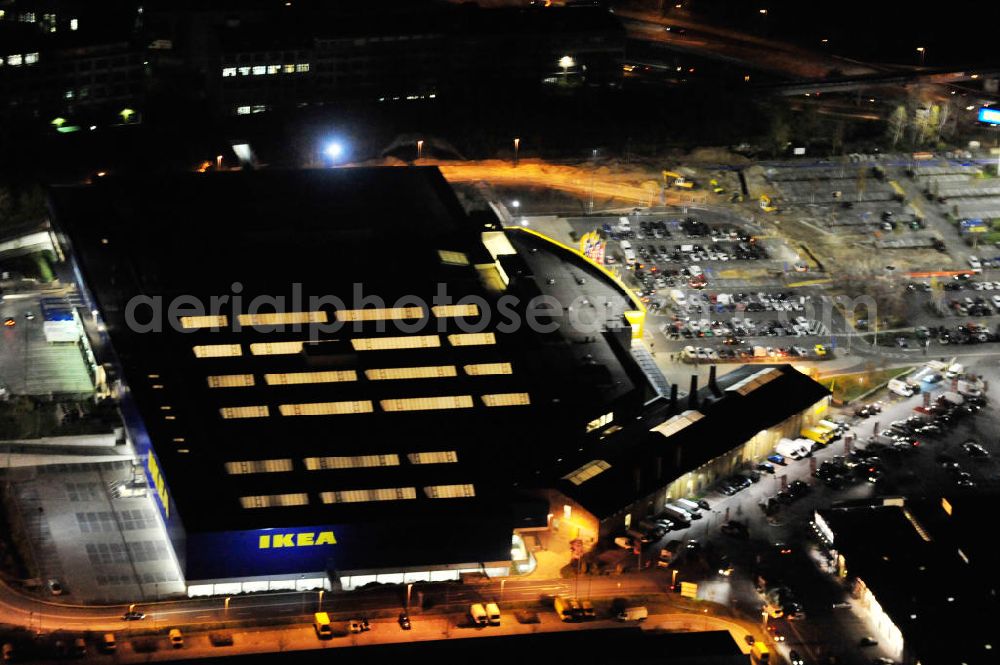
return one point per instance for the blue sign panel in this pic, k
(267, 551)
(990, 116)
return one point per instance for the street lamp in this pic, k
(226, 606)
(218, 162)
(517, 145)
(420, 149)
(320, 607)
(922, 51)
(409, 588)
(502, 582)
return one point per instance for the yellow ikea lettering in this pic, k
(158, 483)
(305, 539)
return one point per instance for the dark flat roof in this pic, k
(728, 422)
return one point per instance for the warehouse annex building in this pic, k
(329, 421)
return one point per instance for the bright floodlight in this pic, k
(566, 62)
(333, 150)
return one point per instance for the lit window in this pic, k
(230, 412)
(228, 71)
(302, 67)
(15, 60)
(380, 314)
(195, 322)
(230, 381)
(69, 93)
(450, 491)
(74, 24)
(273, 69)
(600, 422)
(440, 457)
(242, 110)
(442, 311)
(472, 339)
(258, 466)
(30, 58)
(275, 500)
(281, 318)
(453, 258)
(326, 408)
(289, 69)
(258, 108)
(507, 399)
(297, 378)
(244, 71)
(587, 471)
(387, 343)
(218, 351)
(427, 403)
(390, 373)
(275, 348)
(259, 70)
(355, 462)
(482, 369)
(361, 496)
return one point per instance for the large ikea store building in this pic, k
(338, 377)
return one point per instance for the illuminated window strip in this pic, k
(450, 491)
(387, 343)
(326, 408)
(438, 457)
(453, 258)
(298, 378)
(196, 322)
(355, 462)
(230, 412)
(276, 348)
(275, 500)
(442, 311)
(587, 471)
(483, 369)
(217, 351)
(258, 466)
(507, 399)
(230, 381)
(379, 314)
(361, 496)
(472, 339)
(282, 318)
(431, 372)
(427, 403)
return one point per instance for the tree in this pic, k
(779, 134)
(897, 124)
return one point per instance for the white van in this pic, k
(792, 449)
(901, 388)
(975, 264)
(628, 252)
(493, 613)
(624, 225)
(478, 614)
(676, 514)
(678, 296)
(691, 507)
(695, 271)
(633, 614)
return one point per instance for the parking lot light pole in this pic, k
(319, 607)
(517, 145)
(420, 149)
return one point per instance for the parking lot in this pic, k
(937, 450)
(29, 365)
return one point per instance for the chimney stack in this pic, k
(712, 383)
(693, 395)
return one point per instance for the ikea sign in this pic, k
(303, 539)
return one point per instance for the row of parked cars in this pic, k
(677, 514)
